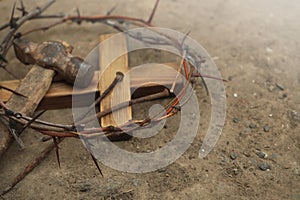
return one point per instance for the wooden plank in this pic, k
(109, 50)
(34, 86)
(59, 95)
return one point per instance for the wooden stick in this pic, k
(109, 50)
(34, 86)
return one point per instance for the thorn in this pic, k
(12, 21)
(178, 71)
(13, 11)
(12, 130)
(78, 12)
(30, 122)
(110, 11)
(10, 90)
(45, 139)
(22, 8)
(96, 163)
(56, 150)
(78, 16)
(3, 58)
(205, 85)
(185, 36)
(153, 12)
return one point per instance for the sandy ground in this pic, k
(256, 46)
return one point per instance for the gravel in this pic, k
(266, 128)
(233, 156)
(264, 166)
(235, 120)
(261, 154)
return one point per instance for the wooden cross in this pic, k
(59, 96)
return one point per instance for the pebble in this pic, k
(223, 159)
(252, 126)
(271, 88)
(264, 166)
(262, 154)
(233, 156)
(294, 117)
(85, 187)
(136, 182)
(266, 128)
(284, 95)
(247, 154)
(235, 171)
(162, 170)
(279, 86)
(235, 95)
(235, 120)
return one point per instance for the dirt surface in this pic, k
(256, 46)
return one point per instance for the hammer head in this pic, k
(56, 55)
(23, 50)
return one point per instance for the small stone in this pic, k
(162, 170)
(262, 154)
(266, 128)
(294, 117)
(233, 156)
(223, 159)
(85, 187)
(247, 154)
(264, 166)
(252, 126)
(279, 86)
(235, 95)
(136, 182)
(235, 171)
(271, 88)
(284, 95)
(235, 120)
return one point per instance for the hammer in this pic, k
(57, 56)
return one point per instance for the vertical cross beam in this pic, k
(108, 51)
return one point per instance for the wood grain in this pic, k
(60, 94)
(34, 86)
(110, 62)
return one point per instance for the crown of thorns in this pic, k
(56, 131)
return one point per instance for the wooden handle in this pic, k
(34, 86)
